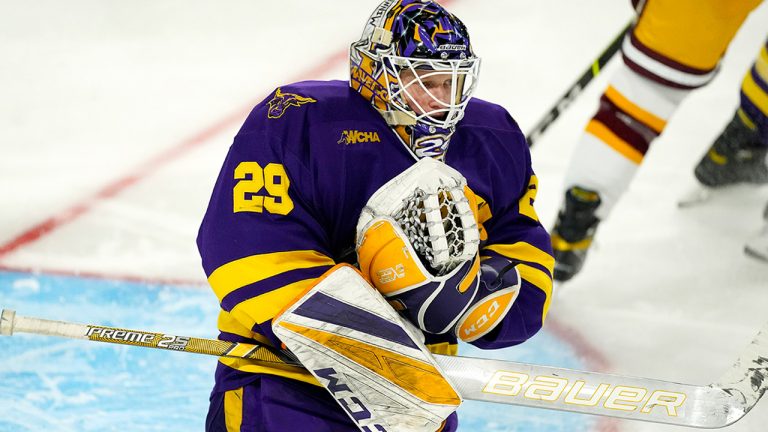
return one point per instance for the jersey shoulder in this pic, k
(292, 117)
(489, 146)
(492, 124)
(289, 106)
(481, 113)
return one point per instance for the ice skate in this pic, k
(737, 156)
(573, 232)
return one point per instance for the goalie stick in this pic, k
(710, 406)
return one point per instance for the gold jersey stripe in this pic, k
(483, 210)
(255, 268)
(233, 409)
(417, 377)
(262, 308)
(755, 93)
(525, 252)
(249, 366)
(646, 117)
(761, 64)
(601, 132)
(541, 281)
(480, 209)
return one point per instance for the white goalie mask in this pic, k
(414, 62)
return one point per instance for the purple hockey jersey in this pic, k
(287, 200)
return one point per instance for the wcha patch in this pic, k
(282, 101)
(355, 136)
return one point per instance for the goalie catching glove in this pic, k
(417, 243)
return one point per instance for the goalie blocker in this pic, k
(366, 356)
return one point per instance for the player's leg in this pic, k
(738, 155)
(674, 47)
(273, 403)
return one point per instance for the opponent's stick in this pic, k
(710, 406)
(575, 89)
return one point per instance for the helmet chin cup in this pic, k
(429, 141)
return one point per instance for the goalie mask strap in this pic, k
(382, 36)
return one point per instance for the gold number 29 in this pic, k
(252, 179)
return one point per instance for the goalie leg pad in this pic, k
(365, 355)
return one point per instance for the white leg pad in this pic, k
(372, 362)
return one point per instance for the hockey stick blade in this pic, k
(712, 406)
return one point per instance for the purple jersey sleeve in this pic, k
(260, 241)
(506, 191)
(517, 236)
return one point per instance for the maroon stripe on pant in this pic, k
(642, 71)
(623, 125)
(653, 77)
(664, 59)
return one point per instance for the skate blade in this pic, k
(758, 247)
(699, 194)
(758, 255)
(695, 196)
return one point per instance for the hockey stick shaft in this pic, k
(11, 323)
(575, 89)
(513, 383)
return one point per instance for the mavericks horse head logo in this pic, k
(281, 102)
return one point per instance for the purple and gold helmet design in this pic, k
(415, 64)
(427, 31)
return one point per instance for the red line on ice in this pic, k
(175, 282)
(594, 359)
(112, 189)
